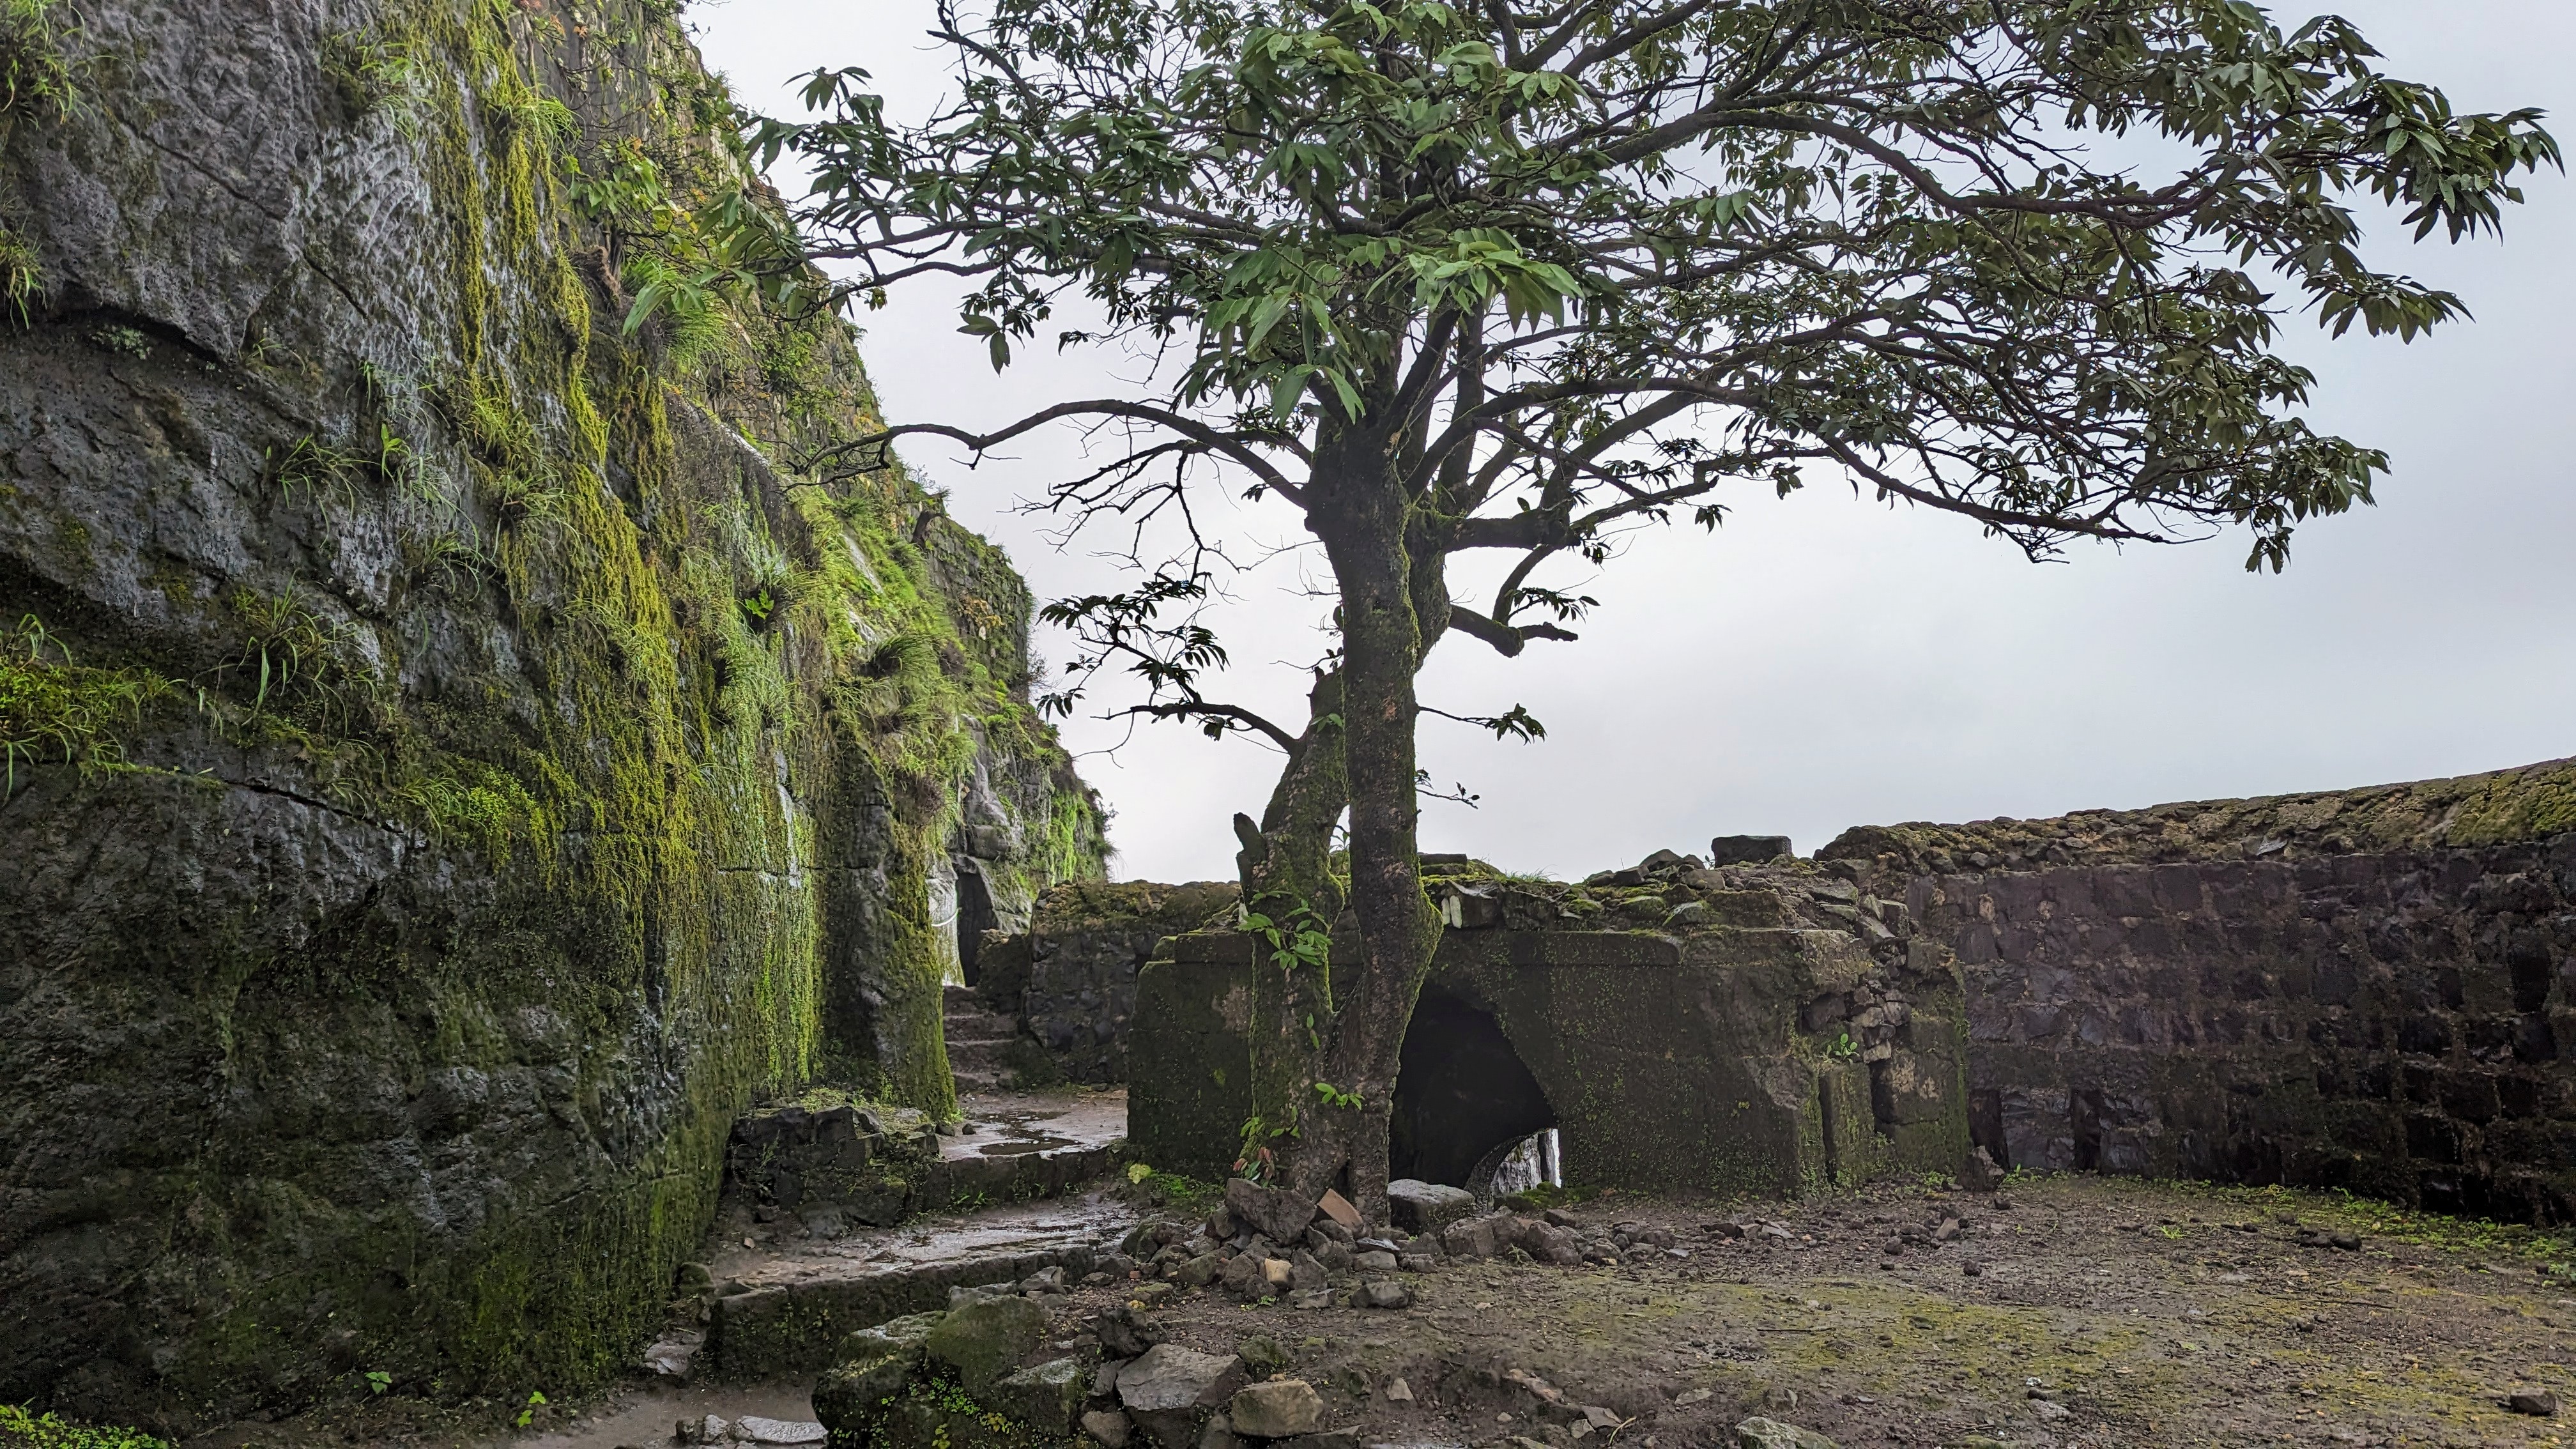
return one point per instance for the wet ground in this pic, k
(2074, 1313)
(1015, 1124)
(744, 1250)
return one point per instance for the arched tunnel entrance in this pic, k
(1463, 1097)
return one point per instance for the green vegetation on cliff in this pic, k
(636, 747)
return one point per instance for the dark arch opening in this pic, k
(1460, 1093)
(975, 916)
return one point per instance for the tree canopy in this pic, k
(1486, 276)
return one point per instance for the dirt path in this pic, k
(2076, 1313)
(2100, 1313)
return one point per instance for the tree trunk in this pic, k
(1327, 1075)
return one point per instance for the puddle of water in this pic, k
(1022, 1147)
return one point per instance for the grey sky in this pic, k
(1823, 662)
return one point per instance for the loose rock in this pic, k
(1170, 1389)
(1125, 1333)
(2538, 1403)
(1277, 1409)
(1275, 1213)
(1427, 1207)
(1382, 1293)
(1772, 1434)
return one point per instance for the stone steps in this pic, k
(789, 1310)
(980, 1041)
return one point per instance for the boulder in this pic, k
(1772, 1434)
(1218, 1433)
(1275, 1213)
(1108, 1428)
(1382, 1293)
(1427, 1207)
(1547, 1242)
(1047, 1398)
(986, 1339)
(846, 1397)
(1171, 1389)
(1125, 1333)
(1244, 1279)
(1478, 1237)
(1276, 1409)
(1748, 849)
(892, 1337)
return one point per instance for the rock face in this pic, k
(453, 766)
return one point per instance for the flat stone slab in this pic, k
(778, 1431)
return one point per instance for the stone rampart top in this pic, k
(2530, 803)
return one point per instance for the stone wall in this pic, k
(454, 763)
(1746, 1030)
(1070, 979)
(2373, 989)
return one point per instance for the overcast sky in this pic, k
(1824, 662)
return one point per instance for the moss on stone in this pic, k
(653, 818)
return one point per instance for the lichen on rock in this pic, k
(460, 750)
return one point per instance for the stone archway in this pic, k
(1461, 1093)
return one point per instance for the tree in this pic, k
(1491, 276)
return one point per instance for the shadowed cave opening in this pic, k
(975, 916)
(1463, 1098)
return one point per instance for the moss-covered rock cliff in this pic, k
(458, 751)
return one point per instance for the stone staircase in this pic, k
(980, 1042)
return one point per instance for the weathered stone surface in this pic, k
(2356, 991)
(1699, 1060)
(1275, 1213)
(1047, 1397)
(490, 843)
(754, 1429)
(1107, 1427)
(1276, 1409)
(1170, 1391)
(848, 1394)
(986, 1339)
(1071, 979)
(1384, 1293)
(1427, 1207)
(1478, 1237)
(1125, 1333)
(900, 1335)
(1758, 1433)
(1748, 849)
